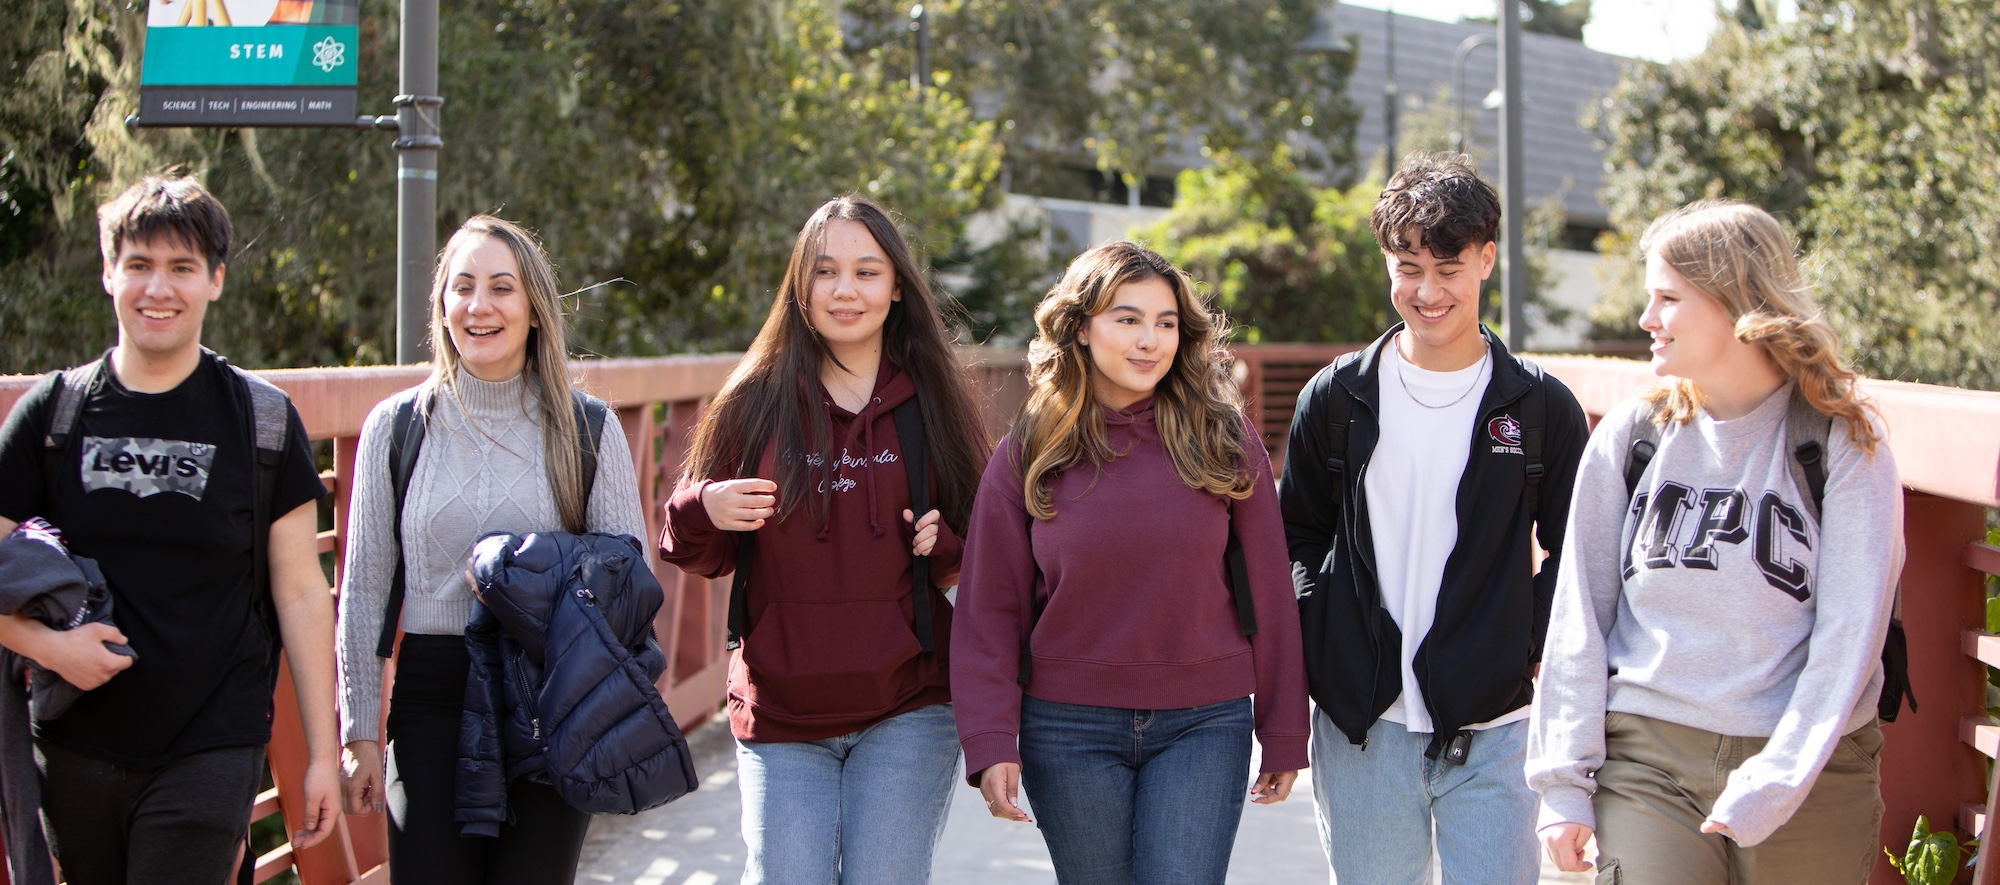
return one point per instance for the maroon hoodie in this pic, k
(827, 644)
(1137, 608)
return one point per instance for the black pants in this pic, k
(182, 822)
(544, 835)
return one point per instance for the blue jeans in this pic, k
(865, 807)
(1123, 796)
(1377, 807)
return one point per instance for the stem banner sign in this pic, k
(249, 63)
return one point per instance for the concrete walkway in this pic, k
(696, 840)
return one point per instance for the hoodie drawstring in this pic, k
(864, 425)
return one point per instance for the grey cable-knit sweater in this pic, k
(472, 477)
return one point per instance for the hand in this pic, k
(322, 785)
(1712, 826)
(1273, 787)
(79, 656)
(740, 505)
(1000, 783)
(1564, 842)
(361, 777)
(927, 532)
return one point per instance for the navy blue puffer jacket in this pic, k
(561, 688)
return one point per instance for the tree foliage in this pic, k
(1869, 128)
(667, 150)
(1290, 260)
(1286, 260)
(1126, 82)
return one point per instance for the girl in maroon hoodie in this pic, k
(838, 691)
(1096, 553)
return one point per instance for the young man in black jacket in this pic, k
(1419, 474)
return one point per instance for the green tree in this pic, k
(667, 150)
(1287, 260)
(1868, 127)
(1124, 83)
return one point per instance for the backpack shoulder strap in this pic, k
(910, 438)
(406, 440)
(267, 410)
(1645, 442)
(1339, 415)
(1239, 583)
(590, 415)
(73, 387)
(1806, 431)
(1535, 412)
(746, 550)
(268, 426)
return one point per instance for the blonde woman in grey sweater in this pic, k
(1735, 738)
(500, 453)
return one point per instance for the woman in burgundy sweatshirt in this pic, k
(838, 691)
(1103, 663)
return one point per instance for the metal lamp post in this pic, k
(1514, 282)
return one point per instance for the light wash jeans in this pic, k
(1145, 796)
(859, 809)
(1377, 807)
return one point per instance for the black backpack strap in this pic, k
(590, 415)
(1340, 415)
(746, 550)
(406, 440)
(1239, 583)
(1806, 431)
(910, 437)
(1535, 409)
(73, 389)
(1645, 442)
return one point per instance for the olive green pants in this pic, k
(1660, 780)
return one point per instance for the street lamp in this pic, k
(1465, 47)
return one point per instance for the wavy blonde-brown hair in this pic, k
(1197, 408)
(547, 367)
(1739, 255)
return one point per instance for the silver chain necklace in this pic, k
(1476, 378)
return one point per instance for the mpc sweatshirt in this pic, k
(827, 646)
(1136, 610)
(1714, 601)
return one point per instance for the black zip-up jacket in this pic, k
(1478, 661)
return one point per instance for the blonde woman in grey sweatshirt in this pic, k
(1740, 622)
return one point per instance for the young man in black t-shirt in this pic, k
(151, 774)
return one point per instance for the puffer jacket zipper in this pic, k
(527, 689)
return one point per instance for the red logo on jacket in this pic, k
(1504, 430)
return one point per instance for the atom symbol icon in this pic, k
(329, 54)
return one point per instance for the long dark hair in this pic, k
(771, 397)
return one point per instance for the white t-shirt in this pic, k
(1411, 485)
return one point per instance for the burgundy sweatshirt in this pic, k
(827, 647)
(1137, 607)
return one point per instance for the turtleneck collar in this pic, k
(493, 399)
